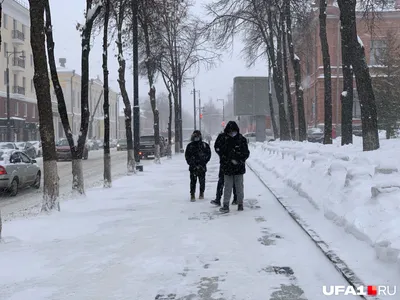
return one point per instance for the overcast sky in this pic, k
(214, 83)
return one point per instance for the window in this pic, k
(5, 107)
(31, 60)
(33, 112)
(356, 105)
(15, 80)
(24, 157)
(23, 83)
(376, 52)
(5, 49)
(25, 109)
(23, 30)
(15, 24)
(5, 77)
(32, 86)
(16, 109)
(5, 21)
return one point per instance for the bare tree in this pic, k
(120, 13)
(106, 104)
(326, 59)
(146, 21)
(42, 87)
(76, 149)
(363, 77)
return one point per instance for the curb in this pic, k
(338, 263)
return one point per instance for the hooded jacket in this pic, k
(233, 151)
(197, 154)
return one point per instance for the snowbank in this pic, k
(357, 190)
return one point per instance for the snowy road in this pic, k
(93, 173)
(143, 239)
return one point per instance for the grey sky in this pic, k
(214, 84)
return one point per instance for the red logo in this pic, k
(372, 290)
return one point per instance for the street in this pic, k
(28, 199)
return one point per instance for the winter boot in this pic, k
(216, 202)
(201, 196)
(192, 198)
(240, 207)
(224, 209)
(234, 202)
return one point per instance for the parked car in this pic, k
(38, 147)
(113, 143)
(148, 146)
(122, 145)
(64, 151)
(28, 148)
(357, 129)
(8, 145)
(100, 142)
(93, 145)
(315, 135)
(17, 171)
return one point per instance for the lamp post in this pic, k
(223, 109)
(117, 115)
(9, 53)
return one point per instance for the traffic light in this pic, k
(201, 116)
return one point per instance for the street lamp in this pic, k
(9, 53)
(194, 101)
(223, 109)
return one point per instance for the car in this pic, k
(357, 129)
(315, 135)
(18, 170)
(38, 147)
(122, 145)
(148, 147)
(63, 150)
(28, 148)
(93, 145)
(8, 145)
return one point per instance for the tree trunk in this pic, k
(363, 78)
(106, 104)
(131, 165)
(42, 87)
(297, 76)
(271, 104)
(156, 123)
(287, 81)
(326, 59)
(176, 117)
(278, 80)
(170, 125)
(347, 95)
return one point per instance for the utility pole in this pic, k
(199, 111)
(136, 109)
(223, 109)
(194, 104)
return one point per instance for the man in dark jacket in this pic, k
(220, 186)
(234, 153)
(197, 154)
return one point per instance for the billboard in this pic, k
(250, 96)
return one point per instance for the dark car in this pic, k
(122, 145)
(148, 146)
(315, 135)
(64, 151)
(28, 148)
(357, 130)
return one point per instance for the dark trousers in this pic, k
(193, 180)
(220, 186)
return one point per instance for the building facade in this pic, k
(70, 82)
(16, 62)
(308, 48)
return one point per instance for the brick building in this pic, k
(308, 48)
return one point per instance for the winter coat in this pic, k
(233, 151)
(197, 154)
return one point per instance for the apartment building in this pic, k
(16, 56)
(70, 82)
(308, 48)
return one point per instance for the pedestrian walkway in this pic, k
(143, 240)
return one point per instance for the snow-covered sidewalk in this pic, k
(143, 240)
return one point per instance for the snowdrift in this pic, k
(357, 190)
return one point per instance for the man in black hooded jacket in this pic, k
(220, 186)
(234, 152)
(197, 155)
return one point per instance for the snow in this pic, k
(359, 191)
(144, 239)
(360, 41)
(91, 11)
(296, 57)
(344, 93)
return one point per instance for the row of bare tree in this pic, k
(267, 28)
